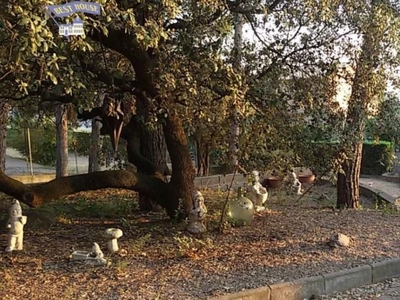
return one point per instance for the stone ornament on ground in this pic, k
(15, 225)
(294, 182)
(197, 214)
(258, 193)
(95, 257)
(240, 211)
(113, 234)
(339, 240)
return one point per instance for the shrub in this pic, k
(377, 157)
(43, 144)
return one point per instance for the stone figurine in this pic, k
(197, 214)
(258, 193)
(15, 225)
(94, 257)
(294, 182)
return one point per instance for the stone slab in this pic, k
(347, 279)
(370, 192)
(299, 289)
(385, 270)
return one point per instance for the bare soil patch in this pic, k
(159, 260)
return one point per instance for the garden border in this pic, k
(329, 283)
(324, 284)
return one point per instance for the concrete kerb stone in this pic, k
(369, 191)
(385, 270)
(262, 293)
(325, 284)
(347, 279)
(299, 289)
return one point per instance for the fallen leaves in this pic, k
(159, 260)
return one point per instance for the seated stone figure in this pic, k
(197, 213)
(258, 193)
(293, 183)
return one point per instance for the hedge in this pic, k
(377, 157)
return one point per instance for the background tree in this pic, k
(380, 36)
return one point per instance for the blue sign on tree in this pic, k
(67, 9)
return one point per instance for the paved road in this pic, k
(16, 164)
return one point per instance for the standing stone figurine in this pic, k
(197, 214)
(15, 224)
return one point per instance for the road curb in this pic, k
(369, 192)
(324, 284)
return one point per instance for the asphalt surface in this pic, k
(16, 164)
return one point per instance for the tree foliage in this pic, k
(169, 65)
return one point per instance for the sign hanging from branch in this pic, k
(67, 9)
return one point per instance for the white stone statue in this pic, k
(94, 257)
(258, 193)
(113, 234)
(197, 214)
(15, 224)
(294, 182)
(96, 251)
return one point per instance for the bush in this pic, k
(43, 144)
(377, 157)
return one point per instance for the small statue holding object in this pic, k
(15, 224)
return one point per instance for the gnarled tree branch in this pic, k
(40, 194)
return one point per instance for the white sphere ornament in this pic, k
(240, 211)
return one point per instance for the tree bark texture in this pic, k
(61, 140)
(348, 182)
(4, 111)
(153, 148)
(95, 147)
(237, 62)
(183, 171)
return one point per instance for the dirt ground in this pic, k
(159, 260)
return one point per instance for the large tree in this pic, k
(157, 60)
(379, 30)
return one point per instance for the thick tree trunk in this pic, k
(183, 171)
(4, 111)
(96, 142)
(349, 181)
(152, 147)
(61, 140)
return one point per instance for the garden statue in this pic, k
(258, 193)
(15, 224)
(294, 182)
(197, 214)
(241, 210)
(96, 251)
(95, 257)
(112, 234)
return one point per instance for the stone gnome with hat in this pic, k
(15, 224)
